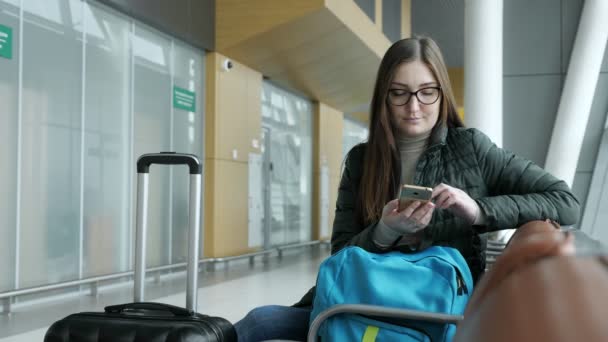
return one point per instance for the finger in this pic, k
(450, 201)
(427, 216)
(422, 210)
(442, 187)
(438, 190)
(390, 208)
(392, 205)
(442, 199)
(417, 214)
(409, 210)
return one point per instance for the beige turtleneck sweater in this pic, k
(410, 150)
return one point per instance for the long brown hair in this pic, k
(380, 180)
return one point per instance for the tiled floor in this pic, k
(227, 292)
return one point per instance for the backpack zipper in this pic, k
(462, 286)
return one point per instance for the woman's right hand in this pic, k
(412, 219)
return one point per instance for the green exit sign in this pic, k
(6, 42)
(184, 99)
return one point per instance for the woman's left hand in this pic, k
(456, 201)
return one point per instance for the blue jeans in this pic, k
(274, 322)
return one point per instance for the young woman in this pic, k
(416, 137)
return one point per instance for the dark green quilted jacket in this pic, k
(510, 190)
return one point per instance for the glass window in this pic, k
(188, 68)
(159, 126)
(9, 93)
(50, 11)
(152, 123)
(107, 165)
(354, 133)
(96, 94)
(14, 7)
(51, 144)
(287, 118)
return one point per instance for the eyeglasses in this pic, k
(400, 97)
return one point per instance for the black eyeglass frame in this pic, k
(413, 93)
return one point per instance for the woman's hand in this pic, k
(413, 218)
(456, 201)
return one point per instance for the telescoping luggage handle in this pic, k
(143, 169)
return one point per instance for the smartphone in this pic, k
(412, 193)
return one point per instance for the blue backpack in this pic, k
(434, 280)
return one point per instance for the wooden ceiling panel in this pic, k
(237, 20)
(268, 47)
(330, 53)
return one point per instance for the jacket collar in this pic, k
(438, 136)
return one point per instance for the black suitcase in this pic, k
(153, 322)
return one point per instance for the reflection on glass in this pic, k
(49, 10)
(77, 163)
(9, 8)
(11, 2)
(276, 100)
(152, 121)
(266, 110)
(92, 18)
(291, 117)
(354, 133)
(188, 68)
(51, 147)
(106, 223)
(288, 119)
(149, 50)
(9, 75)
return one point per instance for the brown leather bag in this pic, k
(538, 290)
